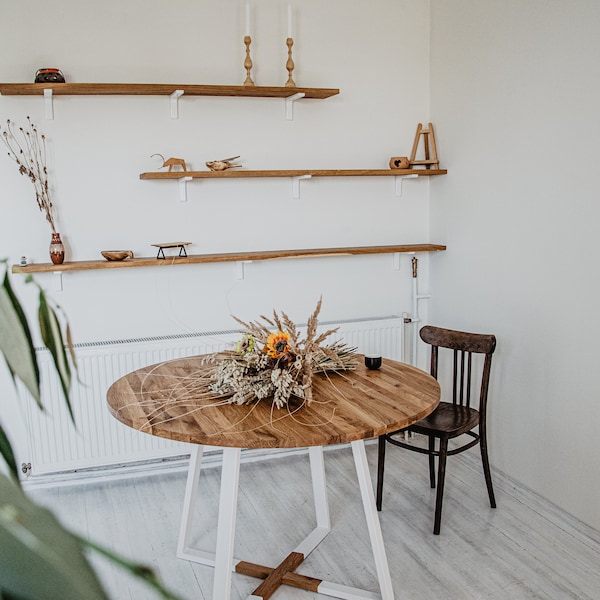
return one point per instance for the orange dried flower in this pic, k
(277, 344)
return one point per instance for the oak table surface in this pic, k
(346, 407)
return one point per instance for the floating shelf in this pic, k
(161, 89)
(224, 257)
(241, 173)
(175, 91)
(296, 176)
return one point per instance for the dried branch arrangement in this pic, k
(27, 148)
(277, 364)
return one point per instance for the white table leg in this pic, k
(368, 498)
(223, 560)
(319, 483)
(230, 475)
(189, 501)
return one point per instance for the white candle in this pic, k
(290, 32)
(247, 18)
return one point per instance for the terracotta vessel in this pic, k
(57, 250)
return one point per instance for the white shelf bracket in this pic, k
(174, 101)
(398, 183)
(296, 185)
(182, 182)
(396, 259)
(58, 282)
(239, 268)
(48, 104)
(289, 105)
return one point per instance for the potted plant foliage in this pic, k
(39, 558)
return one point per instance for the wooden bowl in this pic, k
(117, 254)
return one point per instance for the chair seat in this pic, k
(447, 420)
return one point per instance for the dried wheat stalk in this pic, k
(277, 364)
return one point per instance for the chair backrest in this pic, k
(464, 345)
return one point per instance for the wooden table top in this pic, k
(346, 406)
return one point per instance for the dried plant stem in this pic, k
(28, 150)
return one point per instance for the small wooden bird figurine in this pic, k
(221, 165)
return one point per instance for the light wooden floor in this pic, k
(526, 548)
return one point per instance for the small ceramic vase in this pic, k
(57, 250)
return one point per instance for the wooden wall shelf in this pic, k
(48, 90)
(240, 173)
(161, 89)
(296, 175)
(224, 257)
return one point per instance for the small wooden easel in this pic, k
(431, 159)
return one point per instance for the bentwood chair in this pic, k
(450, 419)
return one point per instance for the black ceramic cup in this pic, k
(372, 361)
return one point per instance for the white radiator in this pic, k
(98, 439)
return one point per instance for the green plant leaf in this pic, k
(16, 344)
(7, 596)
(7, 453)
(138, 570)
(39, 559)
(53, 339)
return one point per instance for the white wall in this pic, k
(99, 146)
(515, 97)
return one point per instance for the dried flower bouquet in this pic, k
(277, 364)
(28, 150)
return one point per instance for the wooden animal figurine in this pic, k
(172, 162)
(221, 165)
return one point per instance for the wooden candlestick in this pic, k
(248, 61)
(289, 65)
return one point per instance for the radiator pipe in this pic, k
(415, 308)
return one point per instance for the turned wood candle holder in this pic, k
(248, 61)
(289, 65)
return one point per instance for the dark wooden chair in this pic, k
(450, 419)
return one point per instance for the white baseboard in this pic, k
(155, 467)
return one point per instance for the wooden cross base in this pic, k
(283, 574)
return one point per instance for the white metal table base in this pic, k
(223, 560)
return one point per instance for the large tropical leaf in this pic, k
(7, 596)
(39, 559)
(52, 337)
(148, 575)
(6, 452)
(15, 341)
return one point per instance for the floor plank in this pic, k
(524, 549)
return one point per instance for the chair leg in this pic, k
(486, 468)
(380, 467)
(440, 485)
(431, 461)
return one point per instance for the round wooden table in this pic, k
(347, 407)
